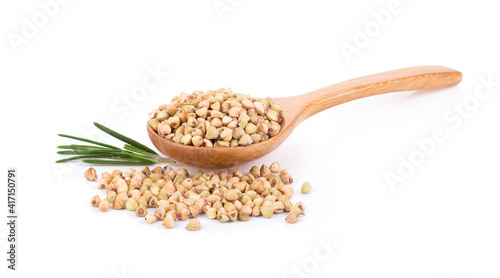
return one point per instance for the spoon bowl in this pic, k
(296, 109)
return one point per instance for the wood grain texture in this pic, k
(298, 108)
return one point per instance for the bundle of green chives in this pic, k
(133, 152)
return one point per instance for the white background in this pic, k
(442, 221)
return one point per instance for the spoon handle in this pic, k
(406, 79)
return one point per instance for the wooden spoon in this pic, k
(298, 108)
